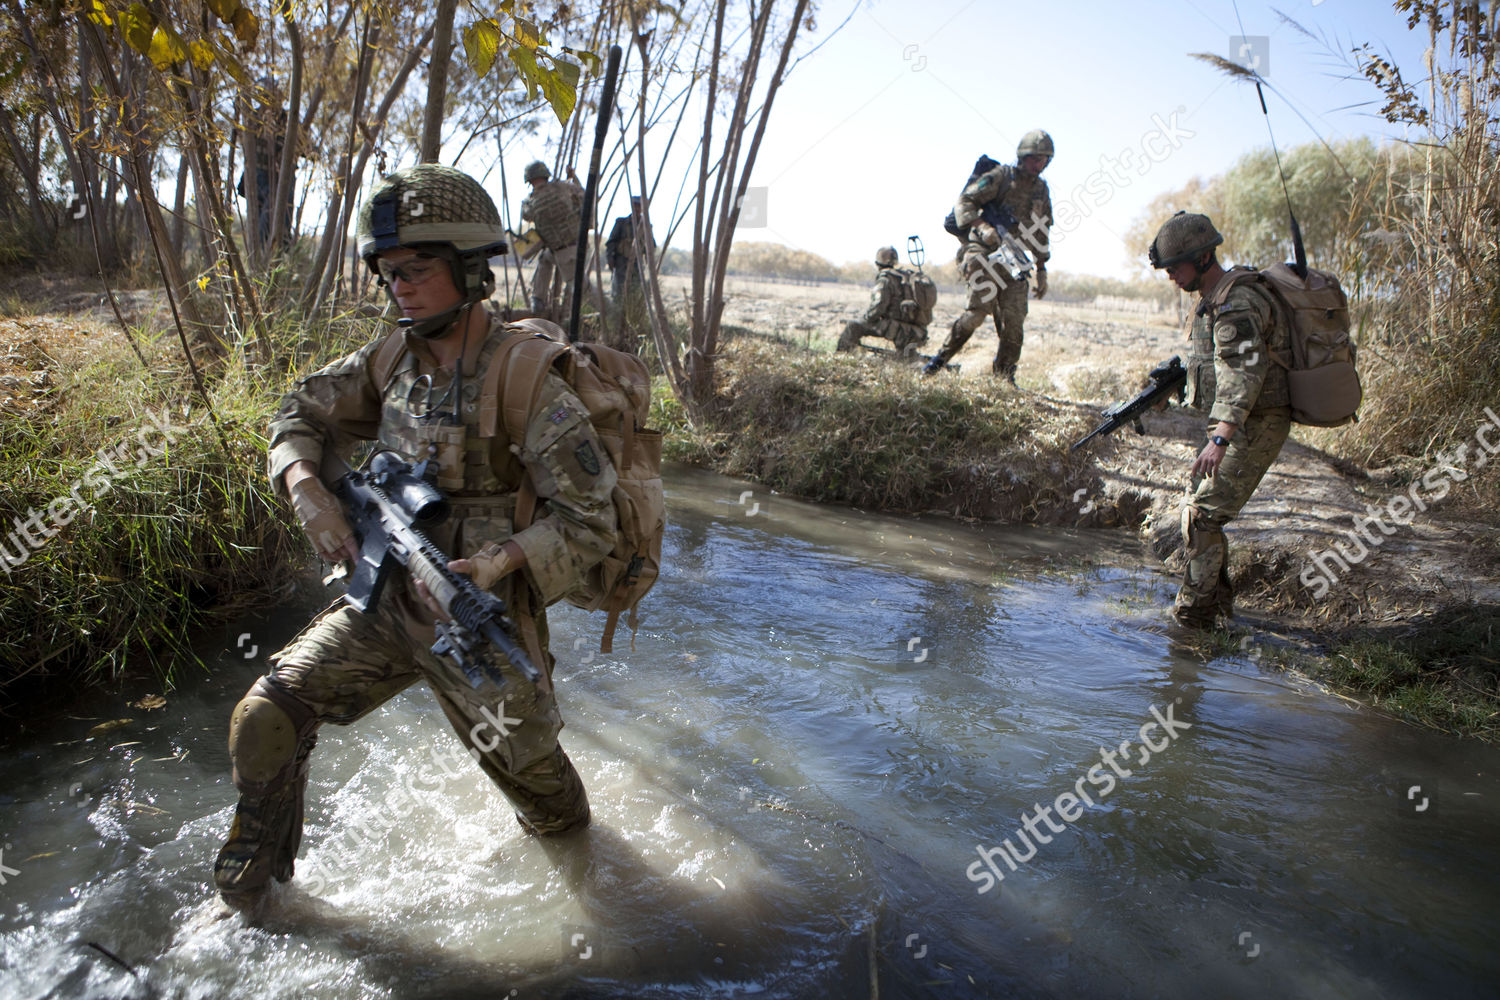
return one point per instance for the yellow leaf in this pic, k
(139, 24)
(482, 45)
(525, 31)
(560, 87)
(105, 727)
(99, 14)
(587, 58)
(525, 63)
(246, 27)
(201, 53)
(166, 48)
(203, 283)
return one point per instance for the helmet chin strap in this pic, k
(433, 327)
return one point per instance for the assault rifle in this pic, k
(1164, 380)
(389, 504)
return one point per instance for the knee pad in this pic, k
(266, 734)
(1197, 525)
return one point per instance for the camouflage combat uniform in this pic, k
(883, 318)
(346, 663)
(991, 293)
(554, 207)
(1231, 376)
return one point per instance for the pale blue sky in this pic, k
(873, 135)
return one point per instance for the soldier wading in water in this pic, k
(1234, 378)
(427, 232)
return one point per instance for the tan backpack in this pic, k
(615, 387)
(1321, 377)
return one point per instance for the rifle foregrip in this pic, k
(435, 577)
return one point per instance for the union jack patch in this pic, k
(559, 415)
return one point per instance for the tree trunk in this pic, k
(29, 170)
(437, 81)
(352, 175)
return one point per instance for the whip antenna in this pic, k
(601, 130)
(1299, 254)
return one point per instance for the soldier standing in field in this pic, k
(1233, 377)
(554, 208)
(885, 316)
(1013, 199)
(427, 233)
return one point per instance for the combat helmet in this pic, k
(1036, 142)
(1183, 237)
(442, 211)
(536, 170)
(886, 257)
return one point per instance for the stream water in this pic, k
(849, 756)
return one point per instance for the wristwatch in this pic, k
(1220, 440)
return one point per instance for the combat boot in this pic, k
(935, 365)
(263, 841)
(1007, 372)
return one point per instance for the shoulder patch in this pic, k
(588, 460)
(558, 415)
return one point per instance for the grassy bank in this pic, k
(1440, 670)
(133, 519)
(875, 434)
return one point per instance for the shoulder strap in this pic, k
(1233, 278)
(512, 385)
(1280, 311)
(387, 358)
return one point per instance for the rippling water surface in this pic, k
(827, 721)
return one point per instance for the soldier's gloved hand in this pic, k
(490, 564)
(323, 520)
(985, 233)
(1041, 281)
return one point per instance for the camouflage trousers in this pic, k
(987, 298)
(343, 666)
(901, 335)
(552, 282)
(1211, 503)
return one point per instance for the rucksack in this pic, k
(982, 166)
(615, 387)
(1321, 377)
(918, 297)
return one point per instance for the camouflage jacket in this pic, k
(1024, 196)
(554, 208)
(1231, 373)
(575, 524)
(885, 299)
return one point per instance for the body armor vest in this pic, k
(555, 212)
(417, 421)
